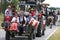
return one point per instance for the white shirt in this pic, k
(14, 19)
(44, 20)
(8, 12)
(21, 19)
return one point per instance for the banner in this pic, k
(34, 22)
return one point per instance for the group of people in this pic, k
(22, 18)
(53, 16)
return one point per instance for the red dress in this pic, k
(13, 27)
(7, 18)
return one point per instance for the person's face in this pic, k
(21, 16)
(9, 8)
(13, 8)
(16, 16)
(31, 10)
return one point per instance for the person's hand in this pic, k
(3, 27)
(23, 25)
(20, 24)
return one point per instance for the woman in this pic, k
(14, 24)
(22, 23)
(15, 18)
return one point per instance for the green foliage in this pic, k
(5, 4)
(56, 35)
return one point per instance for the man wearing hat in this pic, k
(7, 17)
(8, 11)
(33, 12)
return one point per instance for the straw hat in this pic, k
(32, 9)
(9, 6)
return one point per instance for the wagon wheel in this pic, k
(7, 36)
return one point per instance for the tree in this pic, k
(6, 3)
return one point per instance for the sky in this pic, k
(53, 3)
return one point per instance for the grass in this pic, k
(1, 19)
(0, 25)
(56, 35)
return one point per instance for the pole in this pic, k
(1, 5)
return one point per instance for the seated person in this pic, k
(14, 23)
(22, 24)
(13, 26)
(15, 18)
(29, 18)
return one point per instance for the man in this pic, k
(14, 11)
(55, 18)
(8, 11)
(33, 12)
(43, 25)
(29, 18)
(32, 25)
(40, 24)
(7, 17)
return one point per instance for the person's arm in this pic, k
(18, 21)
(25, 20)
(12, 19)
(5, 12)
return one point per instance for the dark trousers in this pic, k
(5, 24)
(21, 29)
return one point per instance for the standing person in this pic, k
(14, 11)
(22, 24)
(7, 17)
(28, 22)
(55, 18)
(8, 11)
(43, 25)
(33, 27)
(40, 24)
(33, 12)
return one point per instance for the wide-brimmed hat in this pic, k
(32, 9)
